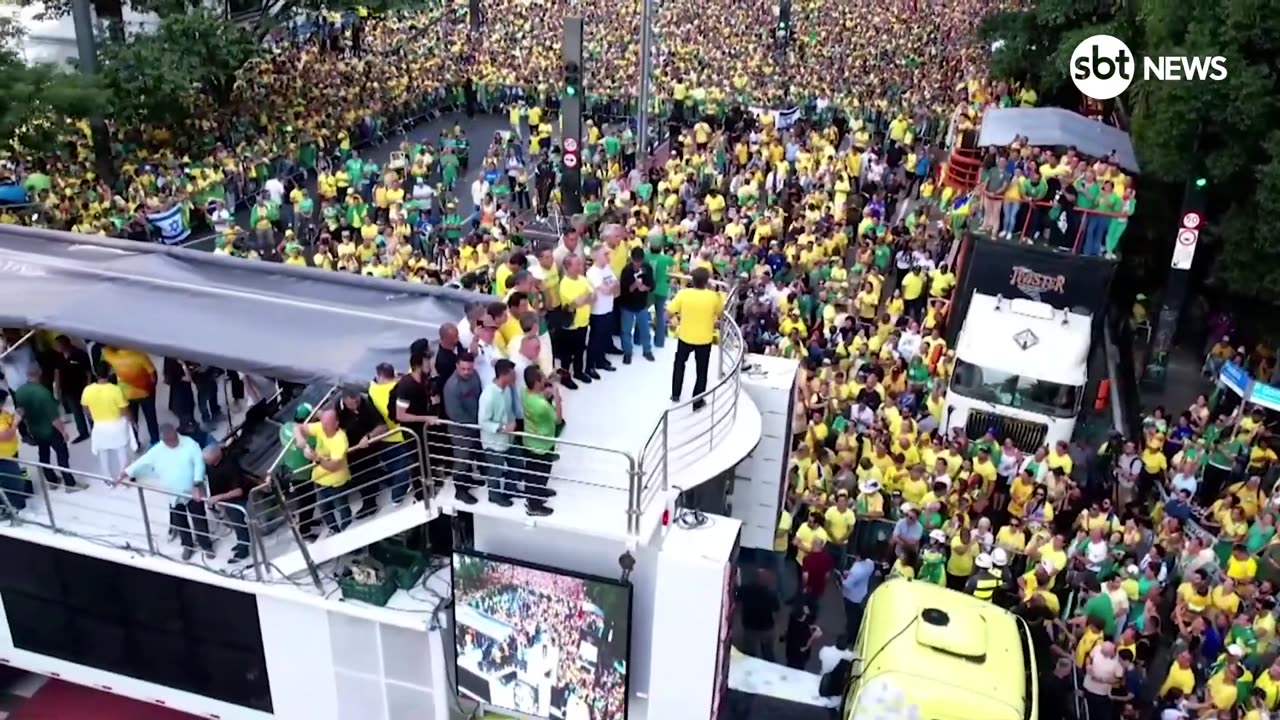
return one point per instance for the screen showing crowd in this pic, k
(539, 642)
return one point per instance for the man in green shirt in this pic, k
(295, 473)
(541, 425)
(661, 264)
(39, 411)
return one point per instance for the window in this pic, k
(1016, 391)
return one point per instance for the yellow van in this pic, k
(928, 652)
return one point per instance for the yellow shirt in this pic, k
(571, 289)
(1221, 693)
(380, 394)
(961, 560)
(912, 285)
(839, 525)
(9, 448)
(1179, 677)
(804, 540)
(106, 402)
(1270, 688)
(699, 310)
(134, 371)
(782, 533)
(1090, 638)
(330, 447)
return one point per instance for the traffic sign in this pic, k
(1191, 221)
(570, 145)
(571, 161)
(1184, 250)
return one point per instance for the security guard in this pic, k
(985, 582)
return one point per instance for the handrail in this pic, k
(112, 533)
(1077, 243)
(657, 453)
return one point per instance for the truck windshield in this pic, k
(1016, 391)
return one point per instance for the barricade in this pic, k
(1028, 224)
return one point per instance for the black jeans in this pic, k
(71, 404)
(537, 471)
(238, 519)
(575, 347)
(701, 359)
(207, 397)
(600, 342)
(187, 517)
(56, 446)
(147, 406)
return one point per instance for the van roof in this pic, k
(955, 657)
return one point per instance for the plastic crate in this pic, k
(404, 566)
(377, 595)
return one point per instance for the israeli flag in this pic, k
(171, 225)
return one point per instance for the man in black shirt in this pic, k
(182, 396)
(759, 602)
(411, 405)
(230, 485)
(362, 423)
(446, 354)
(633, 299)
(73, 373)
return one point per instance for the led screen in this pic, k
(540, 642)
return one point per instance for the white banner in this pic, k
(782, 119)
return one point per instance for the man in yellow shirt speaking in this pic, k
(696, 309)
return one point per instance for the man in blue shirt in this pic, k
(175, 466)
(854, 590)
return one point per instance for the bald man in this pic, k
(330, 474)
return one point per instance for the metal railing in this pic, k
(132, 515)
(456, 452)
(689, 430)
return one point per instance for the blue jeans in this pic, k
(1010, 225)
(785, 571)
(13, 483)
(398, 462)
(635, 323)
(334, 508)
(499, 468)
(659, 320)
(1095, 234)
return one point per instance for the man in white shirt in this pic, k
(605, 284)
(487, 353)
(570, 244)
(909, 342)
(275, 189)
(479, 188)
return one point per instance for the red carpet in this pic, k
(58, 700)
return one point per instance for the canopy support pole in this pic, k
(30, 334)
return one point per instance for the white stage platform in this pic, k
(619, 413)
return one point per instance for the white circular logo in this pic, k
(1187, 236)
(570, 145)
(1102, 67)
(1191, 221)
(571, 161)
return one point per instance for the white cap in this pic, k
(1235, 650)
(937, 536)
(999, 557)
(983, 560)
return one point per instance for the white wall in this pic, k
(583, 554)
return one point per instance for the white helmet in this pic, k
(999, 557)
(983, 561)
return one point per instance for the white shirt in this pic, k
(1095, 553)
(601, 279)
(464, 332)
(830, 656)
(478, 190)
(274, 188)
(909, 345)
(1103, 672)
(486, 356)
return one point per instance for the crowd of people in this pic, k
(1147, 566)
(551, 616)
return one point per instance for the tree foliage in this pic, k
(39, 98)
(157, 77)
(1227, 132)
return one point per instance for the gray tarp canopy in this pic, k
(1055, 126)
(292, 323)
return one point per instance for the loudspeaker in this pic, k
(29, 569)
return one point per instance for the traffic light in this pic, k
(1201, 182)
(572, 79)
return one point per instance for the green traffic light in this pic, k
(1201, 182)
(571, 91)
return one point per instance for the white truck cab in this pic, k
(1021, 367)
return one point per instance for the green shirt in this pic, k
(661, 264)
(39, 409)
(1087, 195)
(612, 146)
(293, 458)
(1099, 606)
(539, 419)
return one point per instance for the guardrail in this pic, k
(134, 515)
(1021, 228)
(684, 434)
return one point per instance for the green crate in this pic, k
(406, 567)
(377, 595)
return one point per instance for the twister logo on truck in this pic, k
(1033, 284)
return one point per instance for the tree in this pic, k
(157, 77)
(1227, 132)
(110, 12)
(39, 99)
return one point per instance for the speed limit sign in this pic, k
(1191, 220)
(571, 161)
(570, 145)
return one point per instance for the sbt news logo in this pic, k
(1102, 67)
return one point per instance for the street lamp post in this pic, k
(646, 76)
